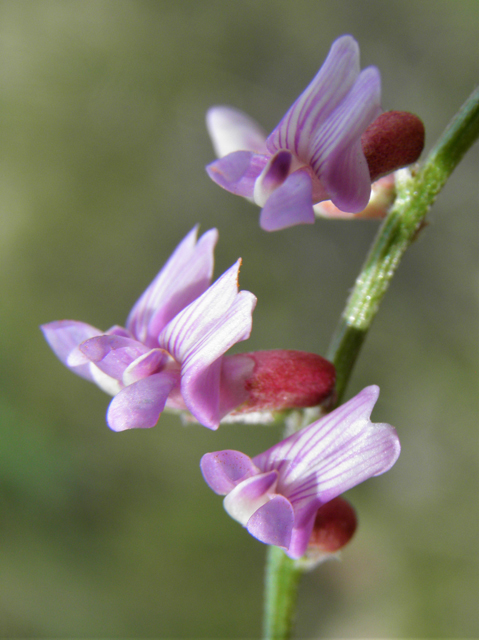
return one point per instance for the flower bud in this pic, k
(394, 140)
(283, 379)
(335, 524)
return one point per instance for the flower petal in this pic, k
(331, 84)
(223, 470)
(140, 404)
(232, 130)
(272, 523)
(301, 536)
(248, 496)
(381, 199)
(111, 354)
(186, 275)
(236, 370)
(336, 154)
(290, 204)
(237, 172)
(213, 323)
(332, 455)
(273, 176)
(145, 365)
(64, 336)
(201, 384)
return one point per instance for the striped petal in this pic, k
(331, 84)
(335, 151)
(199, 335)
(332, 455)
(186, 275)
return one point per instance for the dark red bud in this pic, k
(394, 140)
(283, 379)
(334, 526)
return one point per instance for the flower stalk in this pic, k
(416, 192)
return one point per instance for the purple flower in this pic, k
(314, 153)
(277, 494)
(171, 351)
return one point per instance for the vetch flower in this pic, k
(171, 351)
(330, 145)
(277, 494)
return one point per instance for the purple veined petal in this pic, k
(221, 316)
(205, 396)
(272, 177)
(64, 336)
(145, 365)
(290, 204)
(238, 171)
(331, 84)
(223, 470)
(336, 154)
(272, 523)
(200, 334)
(232, 130)
(332, 455)
(111, 354)
(186, 275)
(140, 404)
(249, 495)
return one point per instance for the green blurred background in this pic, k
(103, 147)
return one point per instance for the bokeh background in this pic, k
(103, 147)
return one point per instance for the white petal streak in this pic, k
(193, 324)
(232, 130)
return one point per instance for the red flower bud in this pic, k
(283, 379)
(334, 526)
(394, 140)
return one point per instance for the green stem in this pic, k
(415, 196)
(281, 584)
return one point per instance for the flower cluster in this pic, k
(321, 159)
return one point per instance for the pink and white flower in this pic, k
(277, 494)
(170, 352)
(331, 145)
